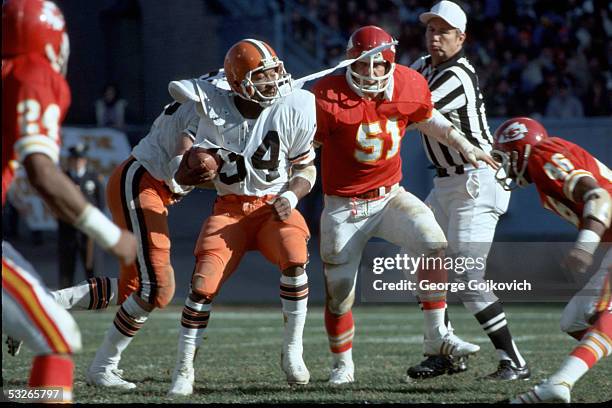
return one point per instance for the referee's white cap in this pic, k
(448, 11)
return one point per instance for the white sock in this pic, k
(294, 301)
(193, 325)
(434, 324)
(344, 358)
(94, 293)
(129, 319)
(570, 371)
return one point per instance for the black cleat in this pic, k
(434, 366)
(507, 372)
(13, 345)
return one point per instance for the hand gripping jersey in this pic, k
(35, 99)
(361, 138)
(157, 148)
(555, 166)
(257, 154)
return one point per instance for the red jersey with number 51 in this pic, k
(35, 99)
(362, 138)
(555, 166)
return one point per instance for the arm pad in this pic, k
(309, 173)
(442, 130)
(597, 205)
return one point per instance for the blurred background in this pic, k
(542, 58)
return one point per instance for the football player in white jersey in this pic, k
(139, 192)
(263, 130)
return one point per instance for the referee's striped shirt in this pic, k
(456, 95)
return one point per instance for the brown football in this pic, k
(205, 158)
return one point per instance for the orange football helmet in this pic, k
(249, 57)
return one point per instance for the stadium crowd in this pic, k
(540, 58)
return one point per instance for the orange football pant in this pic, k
(240, 224)
(138, 203)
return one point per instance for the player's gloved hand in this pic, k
(188, 176)
(577, 260)
(282, 208)
(125, 248)
(477, 155)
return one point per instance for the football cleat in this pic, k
(111, 378)
(294, 367)
(13, 345)
(507, 372)
(449, 345)
(182, 380)
(434, 366)
(545, 392)
(342, 373)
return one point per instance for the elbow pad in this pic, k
(597, 205)
(309, 173)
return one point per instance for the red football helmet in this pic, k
(249, 57)
(363, 40)
(35, 26)
(513, 141)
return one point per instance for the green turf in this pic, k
(239, 362)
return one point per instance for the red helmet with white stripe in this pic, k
(512, 144)
(255, 72)
(361, 41)
(35, 26)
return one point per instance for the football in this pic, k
(205, 158)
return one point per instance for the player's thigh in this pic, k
(408, 223)
(342, 239)
(284, 243)
(220, 246)
(29, 313)
(593, 298)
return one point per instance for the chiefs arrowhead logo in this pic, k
(515, 131)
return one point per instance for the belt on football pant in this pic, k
(375, 193)
(444, 172)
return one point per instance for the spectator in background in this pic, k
(110, 109)
(564, 104)
(598, 98)
(72, 243)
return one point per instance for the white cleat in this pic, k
(108, 377)
(449, 345)
(182, 381)
(294, 367)
(545, 392)
(342, 373)
(63, 297)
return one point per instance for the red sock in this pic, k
(340, 331)
(53, 370)
(432, 299)
(597, 342)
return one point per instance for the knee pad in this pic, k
(574, 317)
(203, 289)
(340, 295)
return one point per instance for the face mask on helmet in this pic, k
(509, 175)
(371, 83)
(267, 83)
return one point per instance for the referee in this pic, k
(467, 201)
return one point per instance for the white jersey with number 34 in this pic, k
(257, 154)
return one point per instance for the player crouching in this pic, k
(576, 186)
(263, 132)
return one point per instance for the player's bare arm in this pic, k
(595, 221)
(67, 202)
(300, 184)
(440, 128)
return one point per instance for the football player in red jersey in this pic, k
(361, 118)
(575, 185)
(35, 97)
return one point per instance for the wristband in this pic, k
(97, 226)
(290, 195)
(587, 241)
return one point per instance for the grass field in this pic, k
(239, 362)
